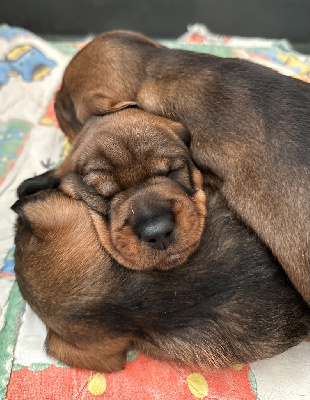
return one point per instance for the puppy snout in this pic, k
(156, 230)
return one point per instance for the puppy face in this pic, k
(135, 171)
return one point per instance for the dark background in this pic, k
(289, 19)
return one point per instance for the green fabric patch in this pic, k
(132, 355)
(216, 50)
(12, 138)
(9, 335)
(253, 383)
(38, 366)
(17, 367)
(60, 364)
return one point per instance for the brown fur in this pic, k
(133, 168)
(212, 311)
(249, 128)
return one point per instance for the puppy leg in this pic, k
(106, 356)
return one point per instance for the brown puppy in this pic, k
(135, 170)
(249, 128)
(229, 303)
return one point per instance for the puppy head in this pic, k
(136, 172)
(101, 76)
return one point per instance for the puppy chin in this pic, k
(148, 259)
(156, 260)
(172, 260)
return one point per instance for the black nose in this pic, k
(156, 231)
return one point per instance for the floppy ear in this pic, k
(95, 103)
(34, 212)
(33, 185)
(18, 208)
(43, 213)
(66, 115)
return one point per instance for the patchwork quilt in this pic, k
(31, 143)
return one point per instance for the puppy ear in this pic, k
(45, 212)
(18, 208)
(30, 215)
(97, 104)
(66, 115)
(33, 185)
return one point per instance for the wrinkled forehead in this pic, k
(143, 144)
(126, 142)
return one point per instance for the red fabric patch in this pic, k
(143, 379)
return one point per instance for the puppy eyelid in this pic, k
(108, 189)
(103, 183)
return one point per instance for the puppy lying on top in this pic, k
(249, 128)
(228, 301)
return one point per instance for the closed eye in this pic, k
(103, 182)
(182, 176)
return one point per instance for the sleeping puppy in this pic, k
(229, 303)
(136, 171)
(249, 128)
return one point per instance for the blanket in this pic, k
(31, 143)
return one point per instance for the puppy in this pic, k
(136, 171)
(229, 303)
(249, 128)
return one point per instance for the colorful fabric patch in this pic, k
(71, 48)
(8, 267)
(49, 118)
(27, 61)
(143, 379)
(7, 32)
(8, 336)
(13, 135)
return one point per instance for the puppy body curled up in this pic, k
(230, 302)
(249, 128)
